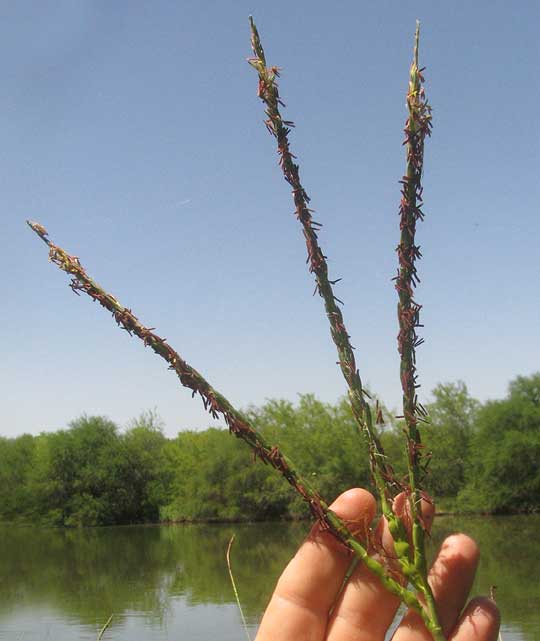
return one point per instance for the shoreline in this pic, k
(291, 519)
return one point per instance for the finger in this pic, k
(365, 609)
(401, 509)
(310, 584)
(451, 578)
(479, 622)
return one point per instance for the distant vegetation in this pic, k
(485, 458)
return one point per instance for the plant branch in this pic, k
(269, 93)
(417, 127)
(216, 404)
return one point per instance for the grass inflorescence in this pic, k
(410, 552)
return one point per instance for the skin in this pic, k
(309, 605)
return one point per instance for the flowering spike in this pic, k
(417, 128)
(216, 404)
(269, 94)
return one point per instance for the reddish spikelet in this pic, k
(215, 403)
(417, 127)
(268, 92)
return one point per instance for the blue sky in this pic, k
(133, 132)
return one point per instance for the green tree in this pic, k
(16, 457)
(144, 471)
(453, 414)
(215, 479)
(78, 477)
(503, 474)
(323, 438)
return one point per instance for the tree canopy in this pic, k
(485, 457)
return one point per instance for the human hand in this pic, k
(307, 604)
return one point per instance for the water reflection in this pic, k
(172, 582)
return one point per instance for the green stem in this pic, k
(102, 631)
(235, 589)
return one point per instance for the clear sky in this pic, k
(133, 132)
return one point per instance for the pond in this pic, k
(171, 582)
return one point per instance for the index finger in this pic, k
(310, 584)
